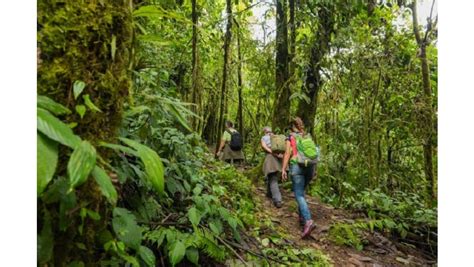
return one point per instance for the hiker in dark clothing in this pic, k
(225, 152)
(301, 174)
(271, 167)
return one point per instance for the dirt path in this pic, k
(379, 252)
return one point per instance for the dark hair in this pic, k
(298, 124)
(229, 124)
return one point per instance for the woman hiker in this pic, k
(300, 175)
(271, 167)
(225, 152)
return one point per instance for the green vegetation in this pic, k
(131, 94)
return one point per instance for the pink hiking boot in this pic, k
(309, 226)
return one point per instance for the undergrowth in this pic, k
(402, 216)
(196, 211)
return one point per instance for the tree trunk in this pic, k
(195, 63)
(281, 110)
(77, 54)
(426, 122)
(292, 23)
(227, 40)
(320, 47)
(208, 132)
(81, 43)
(240, 119)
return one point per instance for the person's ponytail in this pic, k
(298, 124)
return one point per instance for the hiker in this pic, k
(230, 148)
(271, 167)
(301, 155)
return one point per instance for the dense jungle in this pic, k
(135, 99)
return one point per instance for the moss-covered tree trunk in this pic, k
(227, 54)
(293, 27)
(426, 120)
(281, 107)
(240, 108)
(319, 49)
(89, 42)
(196, 85)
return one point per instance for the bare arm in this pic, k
(221, 146)
(286, 159)
(265, 147)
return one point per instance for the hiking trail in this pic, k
(380, 251)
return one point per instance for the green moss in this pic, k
(91, 42)
(88, 41)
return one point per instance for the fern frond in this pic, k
(211, 248)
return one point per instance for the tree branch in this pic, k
(231, 249)
(415, 23)
(255, 253)
(430, 23)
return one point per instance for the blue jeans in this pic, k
(300, 178)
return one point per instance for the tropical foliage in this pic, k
(131, 95)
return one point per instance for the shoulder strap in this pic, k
(293, 144)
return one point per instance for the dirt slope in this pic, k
(380, 251)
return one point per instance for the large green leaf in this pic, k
(216, 226)
(130, 259)
(120, 148)
(47, 159)
(177, 252)
(55, 129)
(179, 117)
(178, 110)
(126, 228)
(105, 184)
(147, 255)
(192, 254)
(194, 216)
(52, 106)
(81, 163)
(153, 165)
(157, 11)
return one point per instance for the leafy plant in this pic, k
(126, 228)
(47, 159)
(345, 234)
(81, 164)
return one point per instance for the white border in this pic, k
(455, 153)
(18, 133)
